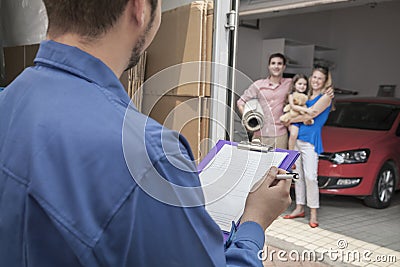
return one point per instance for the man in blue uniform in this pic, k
(85, 179)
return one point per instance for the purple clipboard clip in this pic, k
(286, 164)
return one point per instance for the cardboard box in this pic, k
(133, 79)
(187, 115)
(209, 45)
(185, 35)
(177, 84)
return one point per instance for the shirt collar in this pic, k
(273, 85)
(81, 64)
(271, 82)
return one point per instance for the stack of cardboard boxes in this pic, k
(177, 88)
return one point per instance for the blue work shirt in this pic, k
(87, 180)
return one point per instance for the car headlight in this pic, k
(350, 156)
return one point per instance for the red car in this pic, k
(362, 150)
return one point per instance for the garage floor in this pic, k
(354, 234)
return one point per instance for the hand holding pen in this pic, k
(278, 176)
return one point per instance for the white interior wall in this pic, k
(249, 51)
(370, 41)
(366, 40)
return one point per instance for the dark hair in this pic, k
(324, 70)
(292, 85)
(89, 18)
(277, 55)
(328, 81)
(295, 79)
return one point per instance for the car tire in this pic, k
(383, 189)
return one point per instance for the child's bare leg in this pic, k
(294, 131)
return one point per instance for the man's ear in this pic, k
(137, 9)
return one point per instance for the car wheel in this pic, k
(384, 188)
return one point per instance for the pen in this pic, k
(289, 175)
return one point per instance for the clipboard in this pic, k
(289, 158)
(286, 164)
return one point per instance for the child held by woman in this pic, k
(299, 85)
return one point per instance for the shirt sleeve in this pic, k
(248, 94)
(206, 239)
(246, 246)
(147, 231)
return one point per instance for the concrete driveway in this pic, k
(350, 234)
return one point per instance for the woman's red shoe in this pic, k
(290, 216)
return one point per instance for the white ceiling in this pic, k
(254, 9)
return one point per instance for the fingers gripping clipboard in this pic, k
(230, 170)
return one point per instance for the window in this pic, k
(363, 115)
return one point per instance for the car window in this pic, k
(363, 115)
